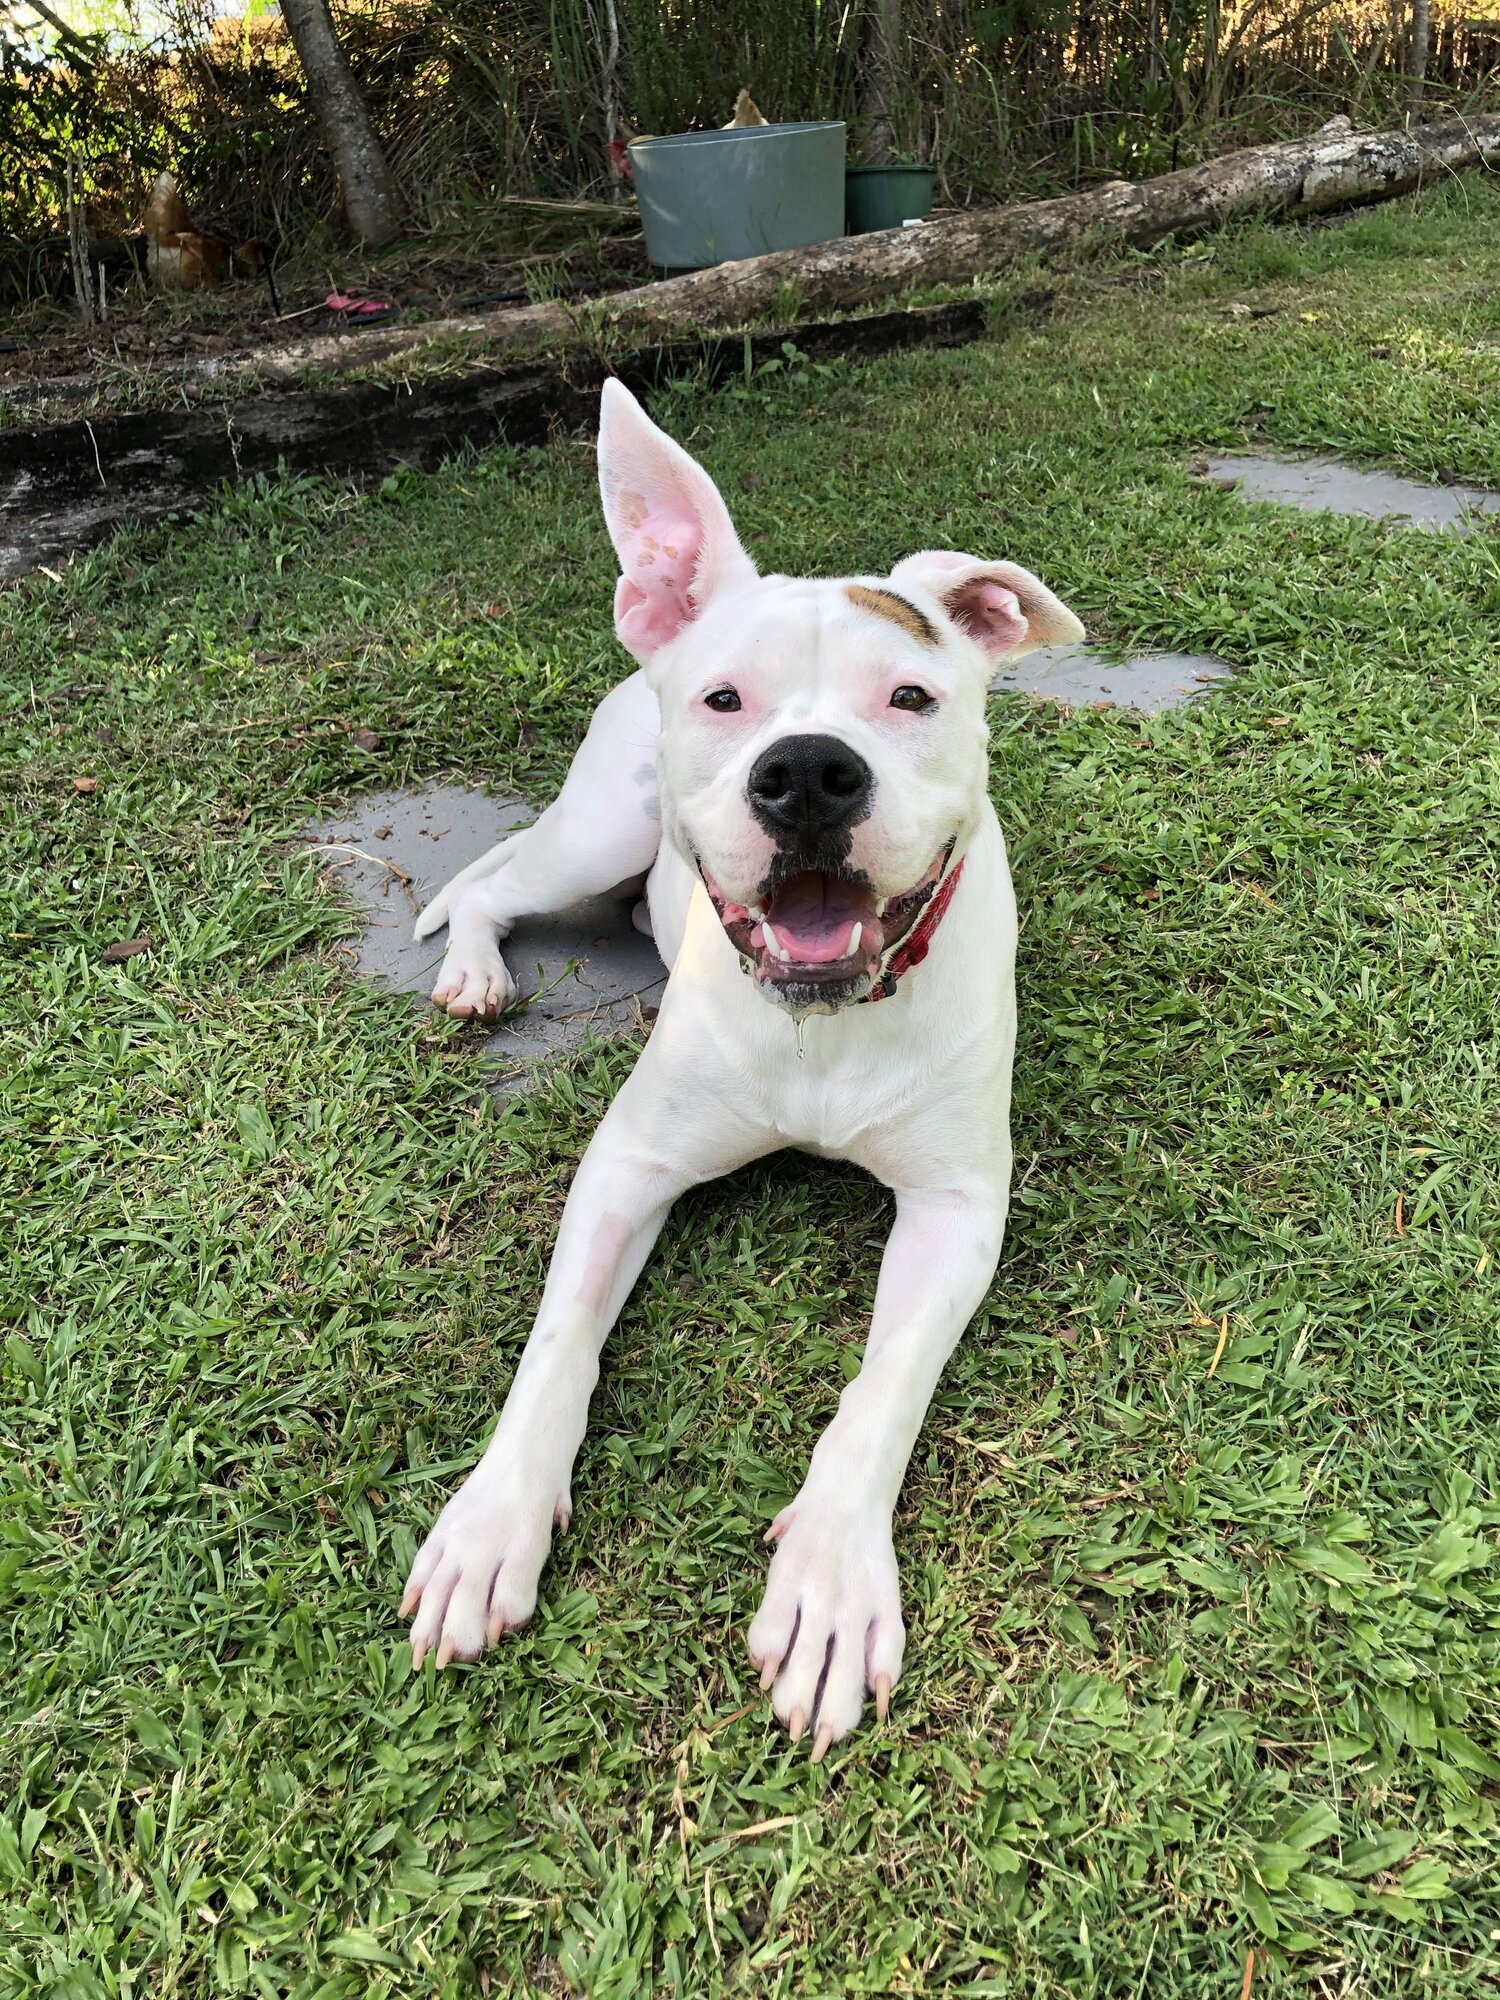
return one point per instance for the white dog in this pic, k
(799, 771)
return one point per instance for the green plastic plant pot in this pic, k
(713, 197)
(885, 197)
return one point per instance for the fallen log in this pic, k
(67, 486)
(1335, 168)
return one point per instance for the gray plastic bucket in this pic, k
(713, 197)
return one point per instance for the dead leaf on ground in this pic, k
(123, 948)
(85, 784)
(367, 739)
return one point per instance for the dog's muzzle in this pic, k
(818, 939)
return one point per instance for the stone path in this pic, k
(1323, 485)
(590, 971)
(1081, 676)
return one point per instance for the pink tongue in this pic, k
(814, 919)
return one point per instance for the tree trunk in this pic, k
(1416, 67)
(78, 240)
(1335, 168)
(365, 182)
(884, 59)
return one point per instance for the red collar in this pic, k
(914, 947)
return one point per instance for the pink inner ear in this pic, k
(659, 555)
(988, 612)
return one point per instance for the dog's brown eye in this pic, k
(723, 701)
(912, 699)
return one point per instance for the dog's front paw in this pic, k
(474, 984)
(476, 1575)
(830, 1624)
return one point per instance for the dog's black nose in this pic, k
(809, 784)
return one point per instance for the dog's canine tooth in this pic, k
(757, 914)
(882, 906)
(774, 945)
(854, 937)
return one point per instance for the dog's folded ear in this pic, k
(1004, 608)
(671, 530)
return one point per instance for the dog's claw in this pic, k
(797, 1725)
(825, 1738)
(473, 986)
(476, 1576)
(768, 1673)
(882, 1696)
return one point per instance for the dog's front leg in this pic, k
(602, 830)
(830, 1625)
(476, 1575)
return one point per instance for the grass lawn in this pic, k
(1202, 1657)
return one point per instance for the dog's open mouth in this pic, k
(821, 939)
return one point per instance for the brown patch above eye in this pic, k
(893, 607)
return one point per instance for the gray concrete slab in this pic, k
(1083, 677)
(1323, 485)
(590, 971)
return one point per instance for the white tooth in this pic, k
(882, 906)
(854, 937)
(774, 945)
(757, 913)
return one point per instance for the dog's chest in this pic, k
(824, 1121)
(822, 1086)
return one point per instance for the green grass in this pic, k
(1201, 1659)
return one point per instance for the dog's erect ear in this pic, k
(1001, 606)
(671, 530)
